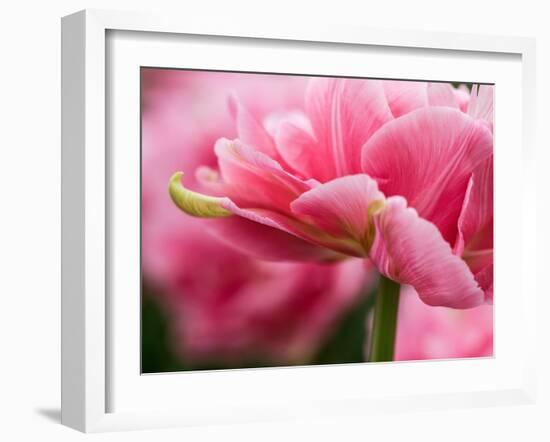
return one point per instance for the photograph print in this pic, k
(303, 220)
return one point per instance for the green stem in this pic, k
(385, 321)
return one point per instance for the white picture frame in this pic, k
(87, 205)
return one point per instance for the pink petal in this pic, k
(301, 230)
(344, 113)
(462, 95)
(475, 223)
(252, 179)
(260, 240)
(411, 250)
(441, 94)
(341, 208)
(249, 130)
(295, 144)
(484, 278)
(475, 227)
(481, 104)
(427, 157)
(256, 187)
(274, 120)
(405, 96)
(426, 332)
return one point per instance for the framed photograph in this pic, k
(263, 223)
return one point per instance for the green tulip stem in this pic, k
(384, 326)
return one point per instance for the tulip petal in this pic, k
(441, 94)
(250, 131)
(411, 250)
(342, 208)
(344, 113)
(253, 179)
(264, 241)
(475, 227)
(427, 156)
(462, 95)
(425, 332)
(484, 278)
(255, 187)
(475, 223)
(405, 96)
(481, 103)
(262, 233)
(296, 144)
(302, 230)
(193, 203)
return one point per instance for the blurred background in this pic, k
(206, 305)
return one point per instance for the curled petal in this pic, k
(475, 227)
(411, 250)
(194, 203)
(256, 188)
(343, 208)
(475, 223)
(253, 179)
(427, 156)
(260, 233)
(302, 230)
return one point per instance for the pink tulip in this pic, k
(462, 97)
(391, 171)
(224, 305)
(406, 96)
(425, 332)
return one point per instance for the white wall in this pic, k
(30, 220)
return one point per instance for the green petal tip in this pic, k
(194, 203)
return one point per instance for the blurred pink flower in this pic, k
(391, 171)
(425, 332)
(222, 304)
